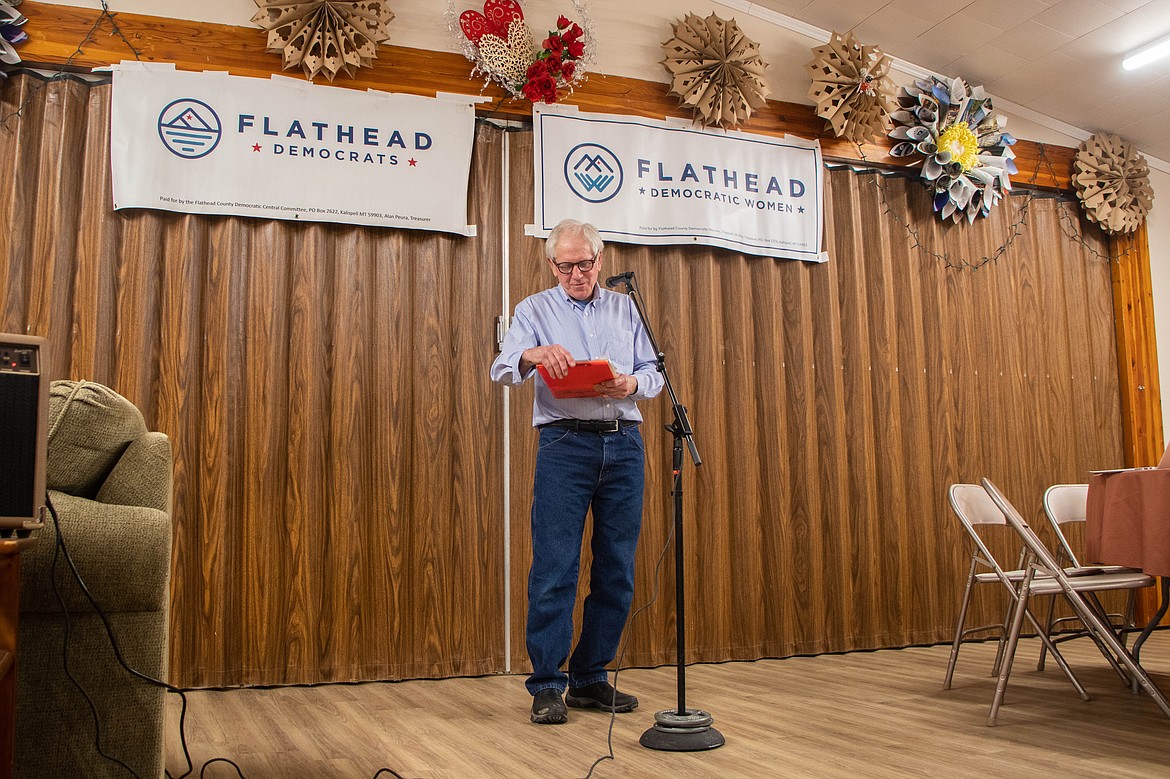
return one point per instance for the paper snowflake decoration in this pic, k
(325, 36)
(967, 159)
(716, 70)
(852, 88)
(1113, 183)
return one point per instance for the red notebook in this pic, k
(581, 378)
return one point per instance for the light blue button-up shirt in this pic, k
(606, 326)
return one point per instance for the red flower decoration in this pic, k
(554, 66)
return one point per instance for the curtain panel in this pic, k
(340, 477)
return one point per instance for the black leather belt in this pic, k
(591, 425)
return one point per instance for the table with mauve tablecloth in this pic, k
(1128, 519)
(1128, 523)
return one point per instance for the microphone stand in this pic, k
(683, 729)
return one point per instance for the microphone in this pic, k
(621, 278)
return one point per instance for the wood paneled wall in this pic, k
(339, 479)
(834, 403)
(324, 386)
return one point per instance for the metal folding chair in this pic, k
(1042, 572)
(1064, 505)
(975, 509)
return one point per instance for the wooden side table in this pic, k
(10, 549)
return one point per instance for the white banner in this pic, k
(651, 182)
(281, 148)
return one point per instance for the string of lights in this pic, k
(62, 71)
(1068, 225)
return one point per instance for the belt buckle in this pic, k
(608, 426)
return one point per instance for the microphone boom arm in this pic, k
(682, 423)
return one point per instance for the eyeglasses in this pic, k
(566, 268)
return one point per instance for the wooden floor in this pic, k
(871, 714)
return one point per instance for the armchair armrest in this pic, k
(122, 552)
(142, 476)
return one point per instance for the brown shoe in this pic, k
(548, 708)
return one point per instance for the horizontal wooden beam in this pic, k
(84, 38)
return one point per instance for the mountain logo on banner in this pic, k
(189, 128)
(593, 172)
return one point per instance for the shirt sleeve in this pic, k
(520, 336)
(645, 363)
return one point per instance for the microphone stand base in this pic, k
(689, 732)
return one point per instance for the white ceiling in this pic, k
(1059, 58)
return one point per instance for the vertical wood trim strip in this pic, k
(1137, 355)
(506, 402)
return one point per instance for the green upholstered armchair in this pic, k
(110, 481)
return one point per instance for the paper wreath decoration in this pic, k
(1113, 183)
(11, 22)
(967, 159)
(500, 44)
(716, 70)
(852, 88)
(325, 36)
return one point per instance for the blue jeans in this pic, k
(576, 471)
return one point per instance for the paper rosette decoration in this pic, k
(967, 159)
(1113, 183)
(716, 70)
(325, 36)
(852, 88)
(500, 43)
(11, 22)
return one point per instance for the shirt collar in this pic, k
(580, 304)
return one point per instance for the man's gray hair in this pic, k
(571, 227)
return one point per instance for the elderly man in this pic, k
(591, 456)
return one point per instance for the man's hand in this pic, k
(622, 386)
(555, 359)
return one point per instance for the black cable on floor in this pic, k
(220, 760)
(61, 547)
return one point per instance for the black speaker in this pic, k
(24, 416)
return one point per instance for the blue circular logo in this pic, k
(189, 128)
(593, 172)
